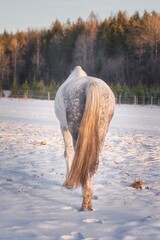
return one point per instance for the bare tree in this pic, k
(80, 51)
(4, 62)
(85, 43)
(151, 33)
(38, 59)
(15, 47)
(38, 54)
(151, 39)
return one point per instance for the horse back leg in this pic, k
(67, 137)
(87, 195)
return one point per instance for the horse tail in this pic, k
(88, 142)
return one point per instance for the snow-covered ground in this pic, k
(35, 205)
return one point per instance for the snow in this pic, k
(35, 205)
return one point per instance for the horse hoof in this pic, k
(84, 209)
(90, 209)
(66, 185)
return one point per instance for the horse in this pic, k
(84, 106)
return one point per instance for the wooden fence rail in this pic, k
(138, 100)
(120, 99)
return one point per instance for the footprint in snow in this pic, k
(66, 237)
(94, 220)
(66, 208)
(73, 236)
(91, 220)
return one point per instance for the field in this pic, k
(35, 205)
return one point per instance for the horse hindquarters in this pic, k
(87, 113)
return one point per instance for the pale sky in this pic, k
(23, 14)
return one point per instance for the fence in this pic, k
(120, 99)
(141, 100)
(29, 94)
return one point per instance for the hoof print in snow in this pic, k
(73, 236)
(9, 180)
(66, 208)
(91, 220)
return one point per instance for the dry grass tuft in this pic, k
(42, 143)
(137, 184)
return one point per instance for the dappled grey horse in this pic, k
(84, 106)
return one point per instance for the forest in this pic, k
(123, 51)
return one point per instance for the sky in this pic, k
(19, 15)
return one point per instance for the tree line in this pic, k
(123, 51)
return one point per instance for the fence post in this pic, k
(143, 100)
(25, 96)
(151, 101)
(135, 100)
(49, 96)
(120, 98)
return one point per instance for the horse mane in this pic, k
(88, 142)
